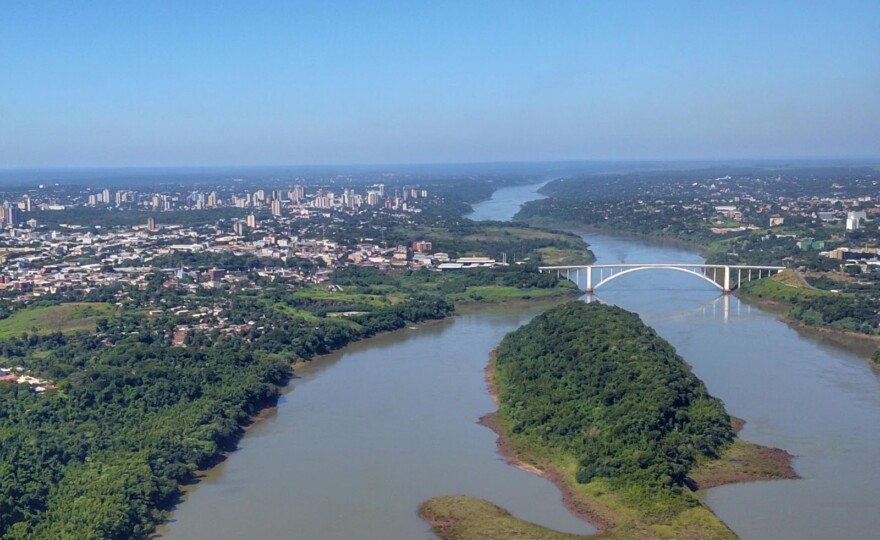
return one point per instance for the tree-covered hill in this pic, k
(594, 381)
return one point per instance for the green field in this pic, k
(492, 233)
(73, 317)
(785, 287)
(498, 293)
(553, 256)
(315, 293)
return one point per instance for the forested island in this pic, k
(592, 398)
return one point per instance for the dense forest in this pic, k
(595, 382)
(132, 417)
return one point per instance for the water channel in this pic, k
(362, 436)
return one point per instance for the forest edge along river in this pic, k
(363, 436)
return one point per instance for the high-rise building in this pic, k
(11, 215)
(297, 194)
(276, 207)
(252, 221)
(854, 220)
(151, 223)
(105, 196)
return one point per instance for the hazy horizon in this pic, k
(199, 84)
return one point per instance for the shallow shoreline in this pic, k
(742, 462)
(505, 449)
(842, 338)
(186, 488)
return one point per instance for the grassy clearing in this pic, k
(497, 233)
(72, 317)
(785, 286)
(352, 298)
(461, 518)
(553, 256)
(744, 462)
(301, 313)
(498, 293)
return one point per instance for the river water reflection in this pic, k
(363, 436)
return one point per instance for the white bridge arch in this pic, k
(724, 276)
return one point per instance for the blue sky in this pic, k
(250, 83)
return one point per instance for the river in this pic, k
(363, 436)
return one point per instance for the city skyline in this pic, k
(129, 84)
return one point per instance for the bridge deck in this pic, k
(731, 275)
(663, 265)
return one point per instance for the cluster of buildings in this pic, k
(17, 375)
(278, 201)
(292, 243)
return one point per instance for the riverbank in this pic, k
(779, 295)
(605, 507)
(593, 514)
(308, 369)
(779, 307)
(577, 228)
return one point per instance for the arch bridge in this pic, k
(724, 276)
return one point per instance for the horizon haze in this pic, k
(131, 84)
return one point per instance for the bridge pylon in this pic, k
(726, 288)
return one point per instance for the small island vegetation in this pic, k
(592, 398)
